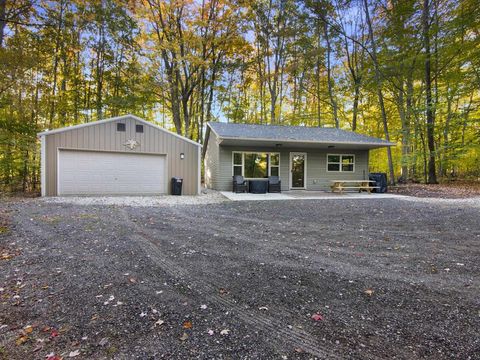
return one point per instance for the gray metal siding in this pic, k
(105, 137)
(317, 176)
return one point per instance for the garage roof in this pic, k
(283, 133)
(123, 117)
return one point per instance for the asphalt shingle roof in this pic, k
(291, 133)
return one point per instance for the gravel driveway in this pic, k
(304, 279)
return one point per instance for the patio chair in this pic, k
(239, 184)
(274, 184)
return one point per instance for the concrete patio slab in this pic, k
(306, 195)
(255, 197)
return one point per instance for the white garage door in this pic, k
(96, 173)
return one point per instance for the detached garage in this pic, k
(124, 155)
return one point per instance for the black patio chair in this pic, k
(274, 184)
(239, 184)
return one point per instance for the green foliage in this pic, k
(188, 62)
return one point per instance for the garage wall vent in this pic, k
(121, 127)
(139, 128)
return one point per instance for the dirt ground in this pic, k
(460, 189)
(367, 279)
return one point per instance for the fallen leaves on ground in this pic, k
(6, 254)
(110, 299)
(225, 332)
(187, 325)
(21, 340)
(317, 317)
(369, 292)
(184, 337)
(74, 353)
(158, 323)
(450, 190)
(223, 291)
(52, 356)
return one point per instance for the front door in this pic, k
(298, 170)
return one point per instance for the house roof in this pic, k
(117, 118)
(293, 134)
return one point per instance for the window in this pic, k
(237, 163)
(139, 128)
(274, 164)
(256, 165)
(341, 163)
(120, 127)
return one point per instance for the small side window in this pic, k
(120, 127)
(139, 128)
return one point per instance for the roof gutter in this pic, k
(222, 138)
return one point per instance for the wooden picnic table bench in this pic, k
(360, 185)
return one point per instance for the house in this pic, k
(121, 155)
(303, 157)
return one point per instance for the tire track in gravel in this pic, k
(213, 229)
(347, 269)
(265, 324)
(301, 339)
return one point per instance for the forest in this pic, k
(404, 70)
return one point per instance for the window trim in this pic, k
(340, 163)
(255, 152)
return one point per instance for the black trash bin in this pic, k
(380, 181)
(177, 185)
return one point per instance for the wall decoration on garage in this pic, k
(132, 144)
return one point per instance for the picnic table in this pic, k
(360, 185)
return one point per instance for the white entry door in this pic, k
(298, 170)
(103, 173)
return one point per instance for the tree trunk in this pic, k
(356, 99)
(402, 113)
(432, 176)
(446, 133)
(100, 64)
(331, 94)
(55, 65)
(406, 136)
(211, 93)
(175, 108)
(317, 78)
